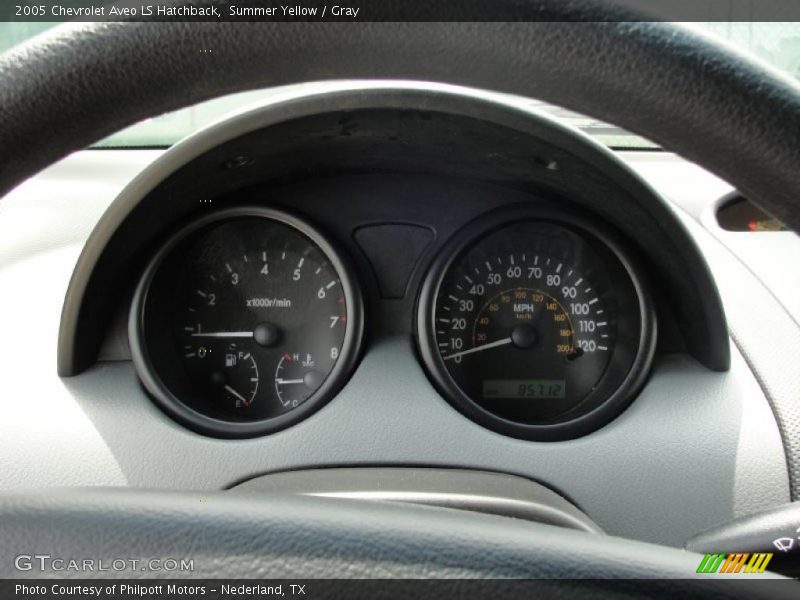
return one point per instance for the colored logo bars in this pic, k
(735, 563)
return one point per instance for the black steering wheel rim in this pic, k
(239, 535)
(737, 118)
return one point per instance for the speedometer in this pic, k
(536, 322)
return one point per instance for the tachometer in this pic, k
(246, 322)
(535, 322)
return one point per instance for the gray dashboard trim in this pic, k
(768, 338)
(462, 489)
(695, 449)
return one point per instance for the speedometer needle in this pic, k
(237, 394)
(502, 342)
(224, 334)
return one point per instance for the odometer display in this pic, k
(524, 388)
(530, 324)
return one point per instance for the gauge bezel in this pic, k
(471, 234)
(342, 369)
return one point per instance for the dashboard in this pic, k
(395, 276)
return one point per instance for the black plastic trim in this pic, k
(304, 127)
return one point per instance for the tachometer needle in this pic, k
(502, 342)
(288, 381)
(237, 394)
(224, 334)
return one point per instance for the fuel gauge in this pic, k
(236, 378)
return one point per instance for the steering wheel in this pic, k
(80, 82)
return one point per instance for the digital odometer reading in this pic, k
(524, 388)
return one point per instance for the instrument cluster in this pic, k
(533, 321)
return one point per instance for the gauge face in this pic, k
(245, 323)
(529, 323)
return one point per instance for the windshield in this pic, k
(775, 43)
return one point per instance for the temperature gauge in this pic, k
(296, 378)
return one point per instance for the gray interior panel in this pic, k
(695, 449)
(463, 489)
